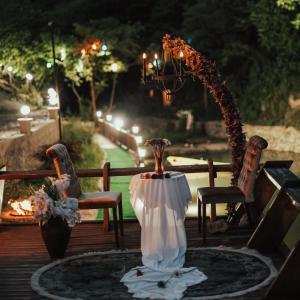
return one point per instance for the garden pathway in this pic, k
(118, 158)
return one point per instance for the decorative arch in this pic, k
(208, 74)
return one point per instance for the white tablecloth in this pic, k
(160, 206)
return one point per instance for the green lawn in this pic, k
(120, 158)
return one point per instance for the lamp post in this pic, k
(114, 69)
(51, 26)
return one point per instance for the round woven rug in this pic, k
(97, 275)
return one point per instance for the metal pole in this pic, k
(51, 24)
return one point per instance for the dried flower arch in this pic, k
(207, 73)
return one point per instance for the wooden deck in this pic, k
(22, 251)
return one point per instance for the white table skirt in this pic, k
(160, 206)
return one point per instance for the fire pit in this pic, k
(20, 207)
(18, 211)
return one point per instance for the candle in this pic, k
(144, 65)
(156, 63)
(180, 62)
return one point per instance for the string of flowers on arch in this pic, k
(208, 74)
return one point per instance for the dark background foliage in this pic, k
(254, 44)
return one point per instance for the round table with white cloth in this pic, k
(160, 206)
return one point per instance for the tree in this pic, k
(292, 6)
(92, 63)
(254, 46)
(279, 71)
(23, 53)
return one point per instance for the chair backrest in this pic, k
(250, 166)
(63, 165)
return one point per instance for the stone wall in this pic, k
(215, 129)
(16, 152)
(279, 138)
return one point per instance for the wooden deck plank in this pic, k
(22, 251)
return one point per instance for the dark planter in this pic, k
(56, 235)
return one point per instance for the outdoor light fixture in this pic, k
(53, 109)
(166, 72)
(52, 92)
(114, 67)
(25, 110)
(53, 97)
(109, 118)
(139, 139)
(119, 123)
(53, 101)
(142, 152)
(135, 129)
(10, 69)
(29, 76)
(98, 113)
(48, 65)
(104, 47)
(25, 122)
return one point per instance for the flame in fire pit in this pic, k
(21, 207)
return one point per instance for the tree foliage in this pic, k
(255, 47)
(255, 44)
(292, 6)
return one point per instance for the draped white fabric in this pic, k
(160, 206)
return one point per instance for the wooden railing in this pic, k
(36, 174)
(107, 172)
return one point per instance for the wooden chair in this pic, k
(242, 193)
(105, 200)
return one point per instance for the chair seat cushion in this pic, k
(229, 194)
(99, 200)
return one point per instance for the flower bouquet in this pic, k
(56, 214)
(49, 202)
(158, 145)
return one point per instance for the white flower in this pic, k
(62, 183)
(45, 207)
(71, 203)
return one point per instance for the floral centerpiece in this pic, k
(49, 202)
(158, 145)
(56, 213)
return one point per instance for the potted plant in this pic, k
(56, 214)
